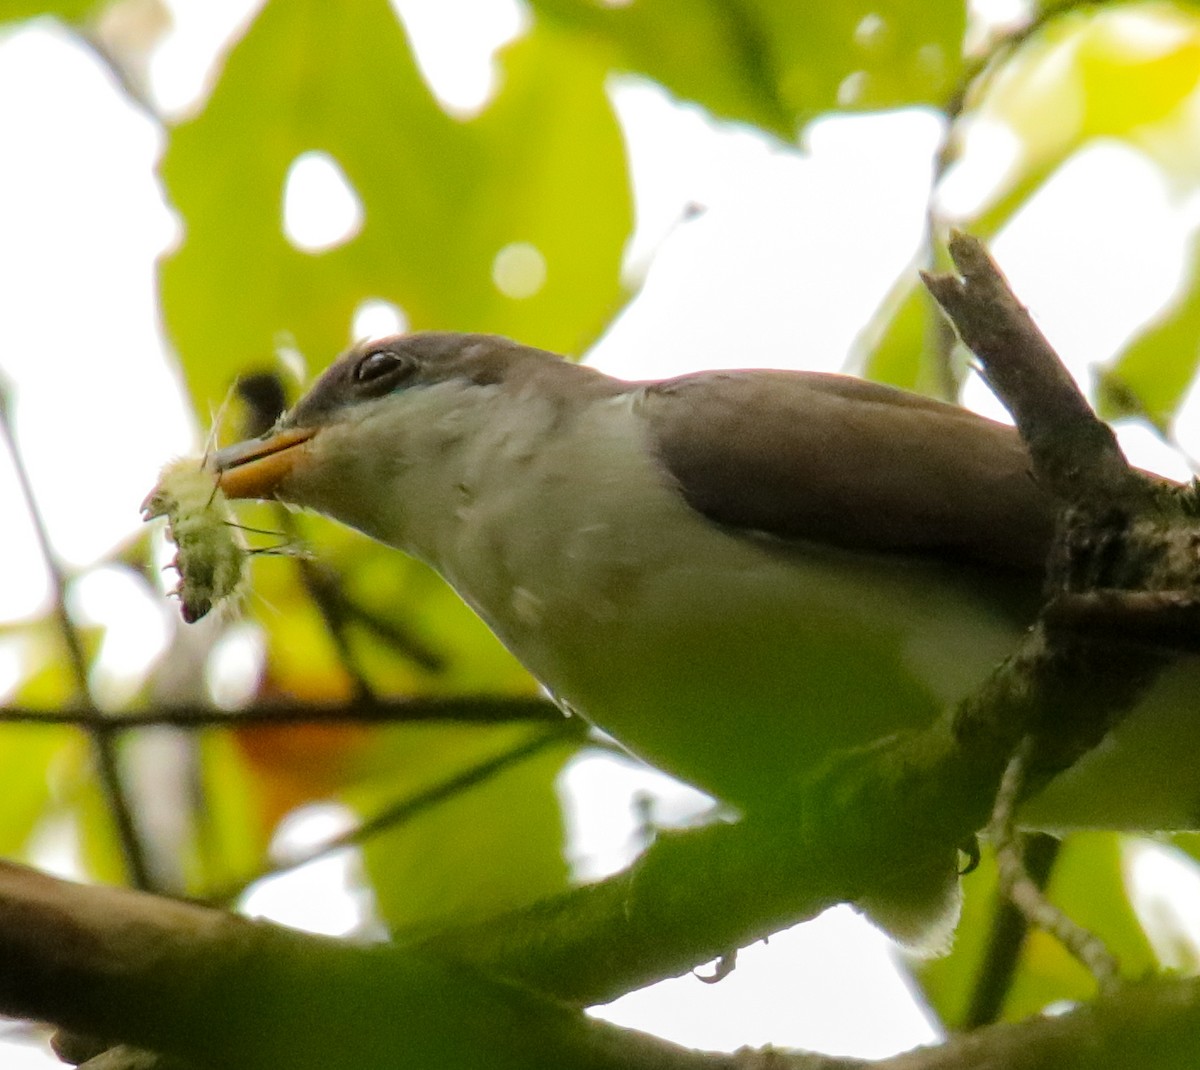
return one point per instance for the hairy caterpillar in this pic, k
(210, 557)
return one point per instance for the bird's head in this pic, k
(393, 427)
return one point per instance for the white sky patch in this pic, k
(13, 661)
(1095, 252)
(998, 15)
(455, 44)
(1090, 287)
(24, 1055)
(184, 64)
(97, 407)
(791, 253)
(235, 666)
(135, 632)
(607, 799)
(376, 318)
(321, 209)
(322, 896)
(990, 155)
(851, 89)
(1165, 885)
(1146, 448)
(794, 991)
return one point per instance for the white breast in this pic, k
(559, 526)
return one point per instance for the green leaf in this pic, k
(229, 837)
(541, 169)
(494, 846)
(70, 10)
(898, 346)
(96, 833)
(1151, 376)
(27, 753)
(774, 63)
(1126, 72)
(1137, 65)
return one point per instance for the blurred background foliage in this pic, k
(515, 220)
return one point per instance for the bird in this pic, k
(736, 574)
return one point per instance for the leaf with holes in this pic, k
(512, 222)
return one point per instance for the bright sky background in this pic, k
(764, 275)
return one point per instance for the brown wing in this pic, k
(801, 455)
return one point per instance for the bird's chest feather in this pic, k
(558, 519)
(561, 529)
(571, 541)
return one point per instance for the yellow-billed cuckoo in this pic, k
(733, 573)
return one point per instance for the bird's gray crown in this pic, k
(384, 366)
(375, 368)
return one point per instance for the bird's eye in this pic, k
(380, 364)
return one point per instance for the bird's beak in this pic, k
(254, 469)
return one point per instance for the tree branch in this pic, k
(1119, 529)
(1151, 1025)
(1007, 933)
(1074, 453)
(222, 991)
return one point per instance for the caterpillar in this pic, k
(210, 554)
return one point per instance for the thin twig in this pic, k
(1023, 892)
(465, 709)
(1006, 938)
(103, 746)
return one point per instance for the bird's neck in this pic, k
(470, 478)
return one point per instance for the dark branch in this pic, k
(461, 709)
(1074, 453)
(222, 991)
(1006, 938)
(1167, 620)
(1119, 529)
